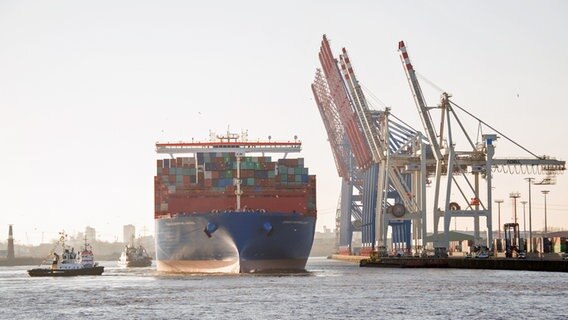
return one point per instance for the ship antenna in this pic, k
(237, 181)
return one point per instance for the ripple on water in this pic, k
(329, 290)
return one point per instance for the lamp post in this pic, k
(530, 180)
(524, 220)
(545, 192)
(498, 202)
(515, 196)
(524, 225)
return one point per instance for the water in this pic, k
(330, 290)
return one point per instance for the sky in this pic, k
(87, 88)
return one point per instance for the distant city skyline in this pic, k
(124, 236)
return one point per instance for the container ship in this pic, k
(224, 206)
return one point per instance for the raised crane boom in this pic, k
(361, 108)
(419, 99)
(343, 104)
(332, 123)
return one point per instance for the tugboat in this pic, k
(70, 263)
(134, 257)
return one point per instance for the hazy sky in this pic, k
(87, 88)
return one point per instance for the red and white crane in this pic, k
(377, 171)
(342, 103)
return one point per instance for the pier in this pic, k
(468, 263)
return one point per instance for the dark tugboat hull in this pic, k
(139, 264)
(135, 263)
(46, 272)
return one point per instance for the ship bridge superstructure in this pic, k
(229, 143)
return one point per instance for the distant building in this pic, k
(10, 254)
(91, 234)
(128, 232)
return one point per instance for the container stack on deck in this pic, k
(207, 182)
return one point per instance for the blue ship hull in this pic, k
(234, 242)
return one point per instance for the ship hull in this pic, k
(234, 242)
(48, 272)
(135, 263)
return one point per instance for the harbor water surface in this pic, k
(329, 290)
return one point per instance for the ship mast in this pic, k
(233, 137)
(237, 181)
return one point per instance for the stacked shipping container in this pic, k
(207, 182)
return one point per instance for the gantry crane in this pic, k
(470, 164)
(373, 154)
